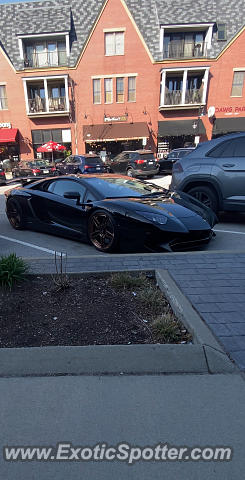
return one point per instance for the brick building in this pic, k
(119, 74)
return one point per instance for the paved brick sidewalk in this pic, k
(213, 282)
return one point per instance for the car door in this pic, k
(68, 217)
(229, 169)
(66, 166)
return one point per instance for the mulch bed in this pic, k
(89, 312)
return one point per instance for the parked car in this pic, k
(2, 177)
(166, 164)
(88, 163)
(214, 173)
(33, 168)
(111, 212)
(136, 163)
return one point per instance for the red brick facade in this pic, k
(136, 61)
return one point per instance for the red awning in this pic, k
(8, 135)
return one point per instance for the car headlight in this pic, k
(154, 217)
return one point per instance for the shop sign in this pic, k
(120, 118)
(5, 125)
(229, 110)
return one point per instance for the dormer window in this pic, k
(42, 51)
(186, 41)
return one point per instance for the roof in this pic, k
(78, 18)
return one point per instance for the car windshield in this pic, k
(121, 187)
(93, 161)
(37, 164)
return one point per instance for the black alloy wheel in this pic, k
(102, 231)
(14, 214)
(206, 196)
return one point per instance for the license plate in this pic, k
(45, 171)
(150, 163)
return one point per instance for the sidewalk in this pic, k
(213, 282)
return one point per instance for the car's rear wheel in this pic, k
(130, 172)
(205, 195)
(102, 231)
(15, 215)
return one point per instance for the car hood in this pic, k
(174, 205)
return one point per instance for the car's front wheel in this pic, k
(102, 231)
(205, 195)
(15, 215)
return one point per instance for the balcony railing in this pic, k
(192, 96)
(182, 49)
(46, 59)
(38, 105)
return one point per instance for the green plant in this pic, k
(127, 280)
(151, 297)
(12, 269)
(166, 329)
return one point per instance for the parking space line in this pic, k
(31, 245)
(229, 231)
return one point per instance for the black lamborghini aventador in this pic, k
(111, 212)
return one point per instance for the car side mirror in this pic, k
(72, 196)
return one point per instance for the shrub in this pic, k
(165, 329)
(127, 280)
(12, 269)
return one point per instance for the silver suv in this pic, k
(214, 173)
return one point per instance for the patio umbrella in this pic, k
(51, 147)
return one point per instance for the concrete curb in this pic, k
(217, 359)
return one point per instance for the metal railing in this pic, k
(38, 105)
(46, 59)
(182, 49)
(192, 96)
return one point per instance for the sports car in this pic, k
(112, 212)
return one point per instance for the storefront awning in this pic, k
(228, 125)
(8, 135)
(115, 132)
(175, 128)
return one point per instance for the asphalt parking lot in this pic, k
(230, 236)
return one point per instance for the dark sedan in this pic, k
(87, 163)
(2, 177)
(166, 164)
(34, 168)
(111, 212)
(135, 163)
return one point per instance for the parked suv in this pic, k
(87, 163)
(136, 163)
(214, 173)
(166, 164)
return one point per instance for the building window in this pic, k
(114, 43)
(120, 90)
(186, 87)
(108, 90)
(45, 54)
(237, 84)
(39, 137)
(3, 98)
(96, 91)
(131, 89)
(221, 28)
(183, 44)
